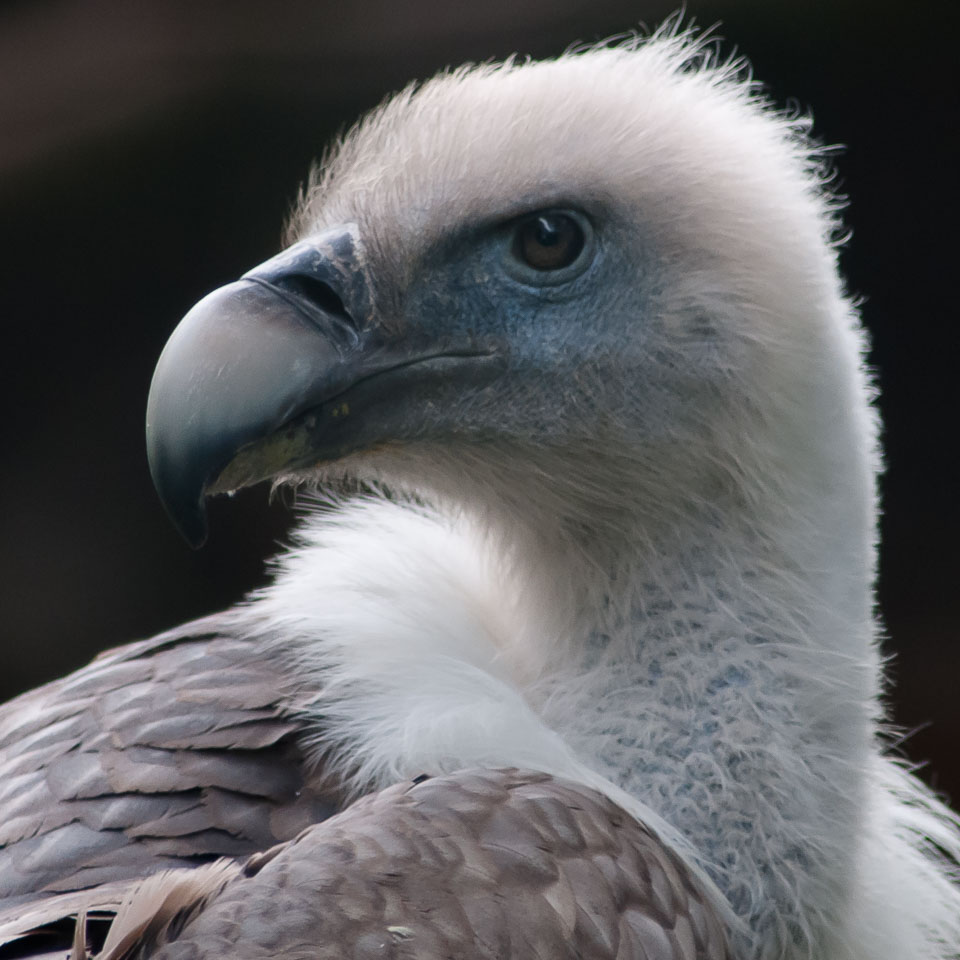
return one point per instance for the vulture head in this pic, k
(581, 292)
(577, 328)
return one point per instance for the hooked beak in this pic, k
(286, 368)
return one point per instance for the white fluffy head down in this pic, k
(648, 554)
(721, 316)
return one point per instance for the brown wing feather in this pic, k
(165, 753)
(476, 865)
(175, 752)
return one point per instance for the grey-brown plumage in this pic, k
(479, 864)
(174, 753)
(165, 753)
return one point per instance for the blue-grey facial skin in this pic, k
(470, 288)
(582, 348)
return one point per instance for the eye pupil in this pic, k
(548, 241)
(547, 233)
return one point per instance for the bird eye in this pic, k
(548, 241)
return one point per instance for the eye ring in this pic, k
(548, 247)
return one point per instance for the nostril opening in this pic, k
(317, 292)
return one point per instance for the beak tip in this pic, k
(193, 528)
(188, 513)
(182, 495)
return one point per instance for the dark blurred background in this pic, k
(151, 151)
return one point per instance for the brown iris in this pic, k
(548, 241)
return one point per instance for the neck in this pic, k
(721, 669)
(710, 654)
(719, 688)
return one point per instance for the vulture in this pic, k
(574, 653)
